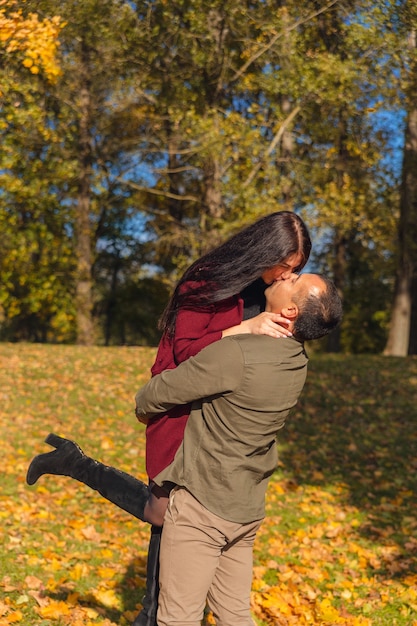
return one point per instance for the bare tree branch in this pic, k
(157, 192)
(274, 39)
(272, 146)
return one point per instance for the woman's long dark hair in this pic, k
(226, 270)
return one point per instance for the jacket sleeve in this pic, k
(217, 369)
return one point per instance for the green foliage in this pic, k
(36, 258)
(131, 311)
(172, 125)
(367, 300)
(41, 191)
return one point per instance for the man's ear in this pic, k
(290, 311)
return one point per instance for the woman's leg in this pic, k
(148, 503)
(127, 492)
(147, 616)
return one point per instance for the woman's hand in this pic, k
(272, 324)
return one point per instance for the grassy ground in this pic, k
(338, 546)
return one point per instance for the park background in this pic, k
(134, 137)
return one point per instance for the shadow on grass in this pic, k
(133, 586)
(131, 590)
(356, 424)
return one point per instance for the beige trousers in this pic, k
(204, 558)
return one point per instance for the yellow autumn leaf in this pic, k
(108, 598)
(106, 572)
(79, 571)
(14, 617)
(277, 603)
(258, 585)
(90, 612)
(361, 621)
(106, 553)
(55, 610)
(90, 533)
(258, 571)
(37, 38)
(327, 612)
(73, 598)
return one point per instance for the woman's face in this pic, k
(283, 270)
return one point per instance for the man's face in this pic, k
(281, 294)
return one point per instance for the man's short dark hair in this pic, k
(318, 315)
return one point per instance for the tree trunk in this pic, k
(341, 239)
(339, 273)
(213, 206)
(83, 294)
(397, 344)
(401, 341)
(112, 302)
(412, 344)
(212, 194)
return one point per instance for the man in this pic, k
(242, 388)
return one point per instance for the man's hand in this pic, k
(143, 419)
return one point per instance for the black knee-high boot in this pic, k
(147, 616)
(68, 459)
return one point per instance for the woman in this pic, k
(221, 294)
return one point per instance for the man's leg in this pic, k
(191, 547)
(229, 594)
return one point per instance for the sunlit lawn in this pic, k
(339, 544)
